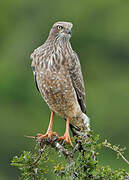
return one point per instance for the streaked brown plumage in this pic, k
(59, 79)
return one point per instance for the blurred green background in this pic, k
(101, 39)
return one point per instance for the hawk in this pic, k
(58, 77)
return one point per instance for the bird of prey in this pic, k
(58, 77)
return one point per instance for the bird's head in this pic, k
(62, 30)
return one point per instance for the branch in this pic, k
(81, 159)
(54, 144)
(116, 149)
(38, 158)
(60, 148)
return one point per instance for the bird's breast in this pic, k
(57, 90)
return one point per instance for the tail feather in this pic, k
(86, 121)
(85, 126)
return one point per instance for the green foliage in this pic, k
(26, 163)
(83, 165)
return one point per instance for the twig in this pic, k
(38, 158)
(118, 152)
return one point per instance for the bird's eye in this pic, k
(59, 27)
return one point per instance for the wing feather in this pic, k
(33, 66)
(78, 82)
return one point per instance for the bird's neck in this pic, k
(59, 43)
(64, 46)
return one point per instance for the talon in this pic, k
(66, 138)
(49, 134)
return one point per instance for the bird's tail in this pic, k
(82, 127)
(86, 121)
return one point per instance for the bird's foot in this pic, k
(66, 138)
(49, 135)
